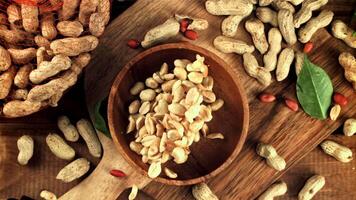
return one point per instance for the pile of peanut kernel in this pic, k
(171, 113)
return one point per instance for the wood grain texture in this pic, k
(293, 134)
(341, 178)
(103, 185)
(40, 173)
(231, 120)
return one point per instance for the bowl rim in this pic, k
(245, 121)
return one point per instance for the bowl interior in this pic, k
(208, 157)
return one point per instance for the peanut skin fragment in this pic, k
(3, 19)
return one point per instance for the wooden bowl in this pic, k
(208, 157)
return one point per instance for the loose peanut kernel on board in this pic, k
(117, 173)
(266, 97)
(291, 104)
(132, 43)
(170, 173)
(308, 47)
(47, 195)
(340, 99)
(133, 193)
(190, 34)
(335, 112)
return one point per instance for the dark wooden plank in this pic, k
(40, 173)
(30, 180)
(293, 134)
(340, 180)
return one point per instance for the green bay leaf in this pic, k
(314, 90)
(99, 121)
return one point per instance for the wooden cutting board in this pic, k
(292, 134)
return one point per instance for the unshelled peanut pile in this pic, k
(283, 20)
(43, 50)
(171, 113)
(286, 26)
(286, 23)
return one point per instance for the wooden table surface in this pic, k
(16, 181)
